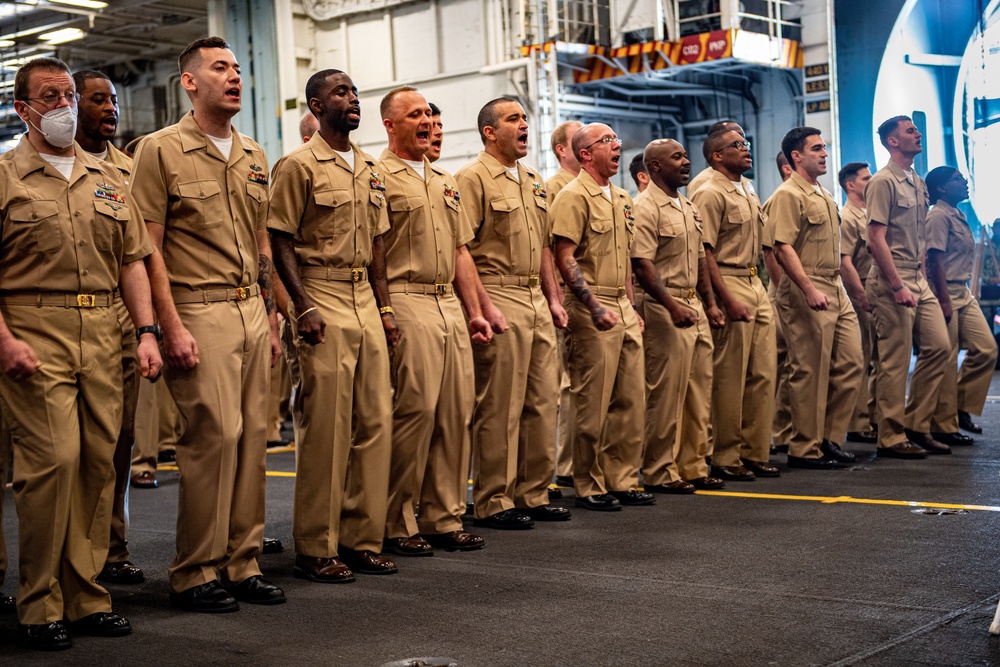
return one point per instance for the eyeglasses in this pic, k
(605, 140)
(738, 145)
(51, 99)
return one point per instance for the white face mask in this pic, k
(58, 126)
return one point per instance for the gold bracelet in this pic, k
(304, 313)
(386, 310)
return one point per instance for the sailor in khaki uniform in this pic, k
(594, 225)
(327, 213)
(202, 187)
(8, 605)
(781, 426)
(668, 260)
(705, 174)
(951, 253)
(824, 343)
(561, 144)
(514, 424)
(427, 263)
(902, 301)
(855, 264)
(70, 235)
(745, 362)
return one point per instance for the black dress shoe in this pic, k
(823, 463)
(603, 502)
(707, 483)
(46, 636)
(367, 562)
(677, 487)
(456, 540)
(954, 439)
(634, 497)
(927, 442)
(409, 546)
(764, 469)
(546, 513)
(733, 473)
(505, 520)
(564, 480)
(121, 573)
(272, 545)
(832, 450)
(257, 590)
(322, 570)
(210, 598)
(779, 449)
(869, 437)
(966, 424)
(167, 456)
(275, 444)
(555, 494)
(101, 624)
(902, 450)
(8, 605)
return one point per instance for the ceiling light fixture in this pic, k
(86, 4)
(62, 36)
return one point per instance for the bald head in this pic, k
(586, 136)
(308, 126)
(668, 165)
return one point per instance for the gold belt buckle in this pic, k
(621, 292)
(441, 289)
(242, 293)
(690, 294)
(753, 271)
(532, 281)
(86, 300)
(357, 275)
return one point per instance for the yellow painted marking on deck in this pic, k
(829, 500)
(269, 473)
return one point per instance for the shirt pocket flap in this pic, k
(505, 205)
(541, 203)
(377, 198)
(670, 229)
(737, 218)
(198, 189)
(112, 210)
(602, 226)
(404, 203)
(332, 198)
(32, 211)
(906, 202)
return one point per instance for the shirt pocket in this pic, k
(407, 211)
(505, 212)
(819, 227)
(109, 223)
(376, 205)
(340, 219)
(36, 226)
(602, 237)
(201, 204)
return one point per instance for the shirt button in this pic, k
(76, 214)
(232, 192)
(86, 272)
(83, 243)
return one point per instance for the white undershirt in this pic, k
(513, 172)
(677, 202)
(417, 166)
(606, 189)
(909, 174)
(225, 146)
(64, 165)
(348, 158)
(100, 156)
(739, 188)
(818, 188)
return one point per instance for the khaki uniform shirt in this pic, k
(122, 162)
(702, 177)
(807, 220)
(900, 203)
(854, 238)
(948, 231)
(733, 224)
(669, 236)
(558, 182)
(602, 229)
(65, 237)
(211, 206)
(426, 223)
(508, 217)
(331, 211)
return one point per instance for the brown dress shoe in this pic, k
(456, 540)
(322, 570)
(733, 473)
(144, 480)
(367, 562)
(679, 486)
(764, 469)
(707, 483)
(121, 573)
(903, 450)
(927, 442)
(409, 546)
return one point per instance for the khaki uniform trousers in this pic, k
(865, 417)
(745, 366)
(343, 425)
(517, 396)
(825, 364)
(118, 545)
(965, 390)
(435, 393)
(64, 422)
(898, 328)
(221, 454)
(157, 426)
(279, 400)
(4, 472)
(678, 394)
(781, 427)
(609, 399)
(564, 437)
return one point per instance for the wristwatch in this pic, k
(153, 329)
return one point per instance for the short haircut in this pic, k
(23, 76)
(936, 178)
(386, 105)
(714, 143)
(317, 83)
(83, 76)
(435, 110)
(849, 173)
(559, 134)
(888, 127)
(636, 167)
(795, 140)
(780, 161)
(191, 56)
(724, 126)
(489, 116)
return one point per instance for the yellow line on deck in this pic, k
(829, 500)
